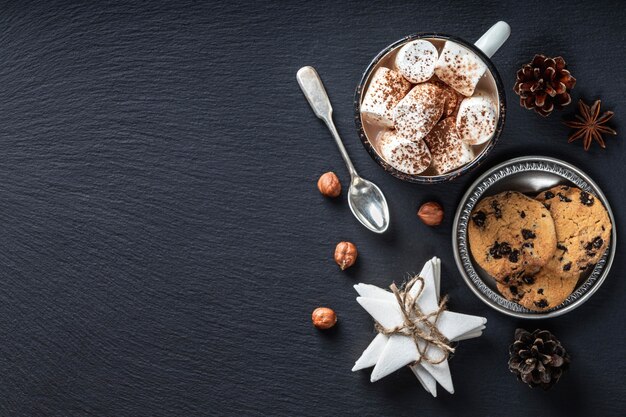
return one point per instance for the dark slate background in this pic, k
(163, 243)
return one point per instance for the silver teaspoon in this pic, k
(367, 202)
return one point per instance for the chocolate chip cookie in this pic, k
(511, 234)
(583, 226)
(544, 290)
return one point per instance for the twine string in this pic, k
(418, 325)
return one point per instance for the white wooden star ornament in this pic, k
(423, 346)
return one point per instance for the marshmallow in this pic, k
(452, 99)
(447, 150)
(419, 111)
(460, 68)
(416, 61)
(408, 156)
(476, 120)
(385, 90)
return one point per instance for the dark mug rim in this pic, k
(449, 175)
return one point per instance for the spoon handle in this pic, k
(313, 89)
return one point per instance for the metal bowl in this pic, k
(418, 178)
(528, 174)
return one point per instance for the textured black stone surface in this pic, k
(163, 243)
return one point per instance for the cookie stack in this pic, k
(537, 249)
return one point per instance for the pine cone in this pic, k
(544, 84)
(537, 358)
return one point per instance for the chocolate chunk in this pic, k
(479, 218)
(586, 198)
(528, 234)
(540, 291)
(513, 289)
(528, 245)
(597, 242)
(528, 279)
(561, 247)
(567, 266)
(507, 279)
(542, 303)
(522, 214)
(499, 250)
(514, 255)
(548, 195)
(564, 198)
(496, 209)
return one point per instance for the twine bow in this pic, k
(417, 324)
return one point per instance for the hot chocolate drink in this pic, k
(430, 106)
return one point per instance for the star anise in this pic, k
(590, 125)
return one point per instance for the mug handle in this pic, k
(494, 38)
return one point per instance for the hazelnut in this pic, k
(345, 254)
(329, 185)
(324, 318)
(431, 213)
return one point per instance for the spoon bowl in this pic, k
(368, 204)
